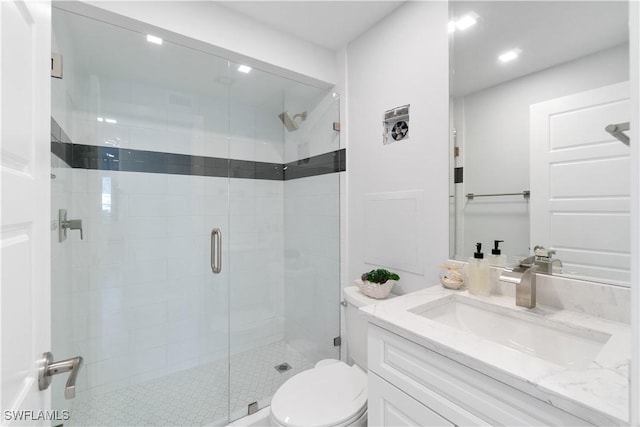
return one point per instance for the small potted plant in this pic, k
(377, 283)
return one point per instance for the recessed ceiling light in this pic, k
(100, 119)
(464, 22)
(244, 69)
(154, 39)
(112, 121)
(509, 55)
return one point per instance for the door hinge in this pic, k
(252, 408)
(337, 341)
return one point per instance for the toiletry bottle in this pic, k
(479, 273)
(497, 258)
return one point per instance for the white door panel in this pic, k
(582, 126)
(608, 178)
(25, 187)
(580, 182)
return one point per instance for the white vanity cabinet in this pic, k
(412, 385)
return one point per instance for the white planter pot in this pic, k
(375, 290)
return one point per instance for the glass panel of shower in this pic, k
(153, 147)
(285, 234)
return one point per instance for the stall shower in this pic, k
(155, 145)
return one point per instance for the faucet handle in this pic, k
(528, 262)
(540, 251)
(74, 224)
(65, 224)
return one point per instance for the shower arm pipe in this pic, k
(617, 131)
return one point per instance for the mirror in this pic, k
(533, 85)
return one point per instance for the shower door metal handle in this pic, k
(216, 251)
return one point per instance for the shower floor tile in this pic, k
(194, 397)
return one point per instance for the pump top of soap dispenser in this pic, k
(496, 249)
(478, 254)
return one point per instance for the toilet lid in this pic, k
(323, 396)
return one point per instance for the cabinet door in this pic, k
(388, 406)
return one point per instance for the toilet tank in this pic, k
(356, 325)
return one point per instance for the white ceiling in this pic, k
(331, 24)
(548, 33)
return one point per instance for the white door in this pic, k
(580, 182)
(25, 29)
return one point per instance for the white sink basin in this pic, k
(563, 344)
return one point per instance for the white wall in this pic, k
(224, 33)
(401, 60)
(493, 133)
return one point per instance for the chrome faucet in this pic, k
(524, 277)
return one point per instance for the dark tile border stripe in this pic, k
(60, 143)
(335, 161)
(121, 159)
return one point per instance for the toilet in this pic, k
(332, 393)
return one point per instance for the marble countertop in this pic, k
(597, 392)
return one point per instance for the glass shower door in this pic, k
(142, 156)
(284, 228)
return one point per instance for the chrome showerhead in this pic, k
(290, 122)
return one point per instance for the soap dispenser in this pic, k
(497, 258)
(479, 273)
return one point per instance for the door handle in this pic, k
(48, 368)
(216, 251)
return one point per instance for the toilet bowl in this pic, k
(332, 394)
